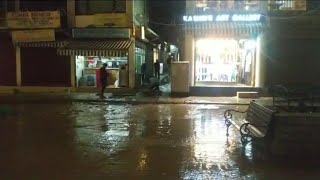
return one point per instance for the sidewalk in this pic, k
(137, 99)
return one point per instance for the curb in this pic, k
(132, 102)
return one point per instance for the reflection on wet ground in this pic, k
(101, 141)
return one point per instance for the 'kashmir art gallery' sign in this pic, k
(223, 18)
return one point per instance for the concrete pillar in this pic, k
(131, 54)
(132, 65)
(189, 56)
(71, 12)
(73, 71)
(130, 14)
(260, 63)
(18, 66)
(18, 51)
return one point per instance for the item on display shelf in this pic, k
(91, 81)
(116, 84)
(92, 62)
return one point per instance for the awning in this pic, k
(224, 28)
(113, 48)
(44, 44)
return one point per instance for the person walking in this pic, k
(157, 69)
(143, 71)
(103, 79)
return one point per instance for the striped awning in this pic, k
(111, 48)
(44, 44)
(224, 28)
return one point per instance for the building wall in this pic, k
(43, 67)
(292, 50)
(7, 61)
(293, 60)
(87, 7)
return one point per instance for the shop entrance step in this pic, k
(248, 94)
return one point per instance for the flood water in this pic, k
(101, 141)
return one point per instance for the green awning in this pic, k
(224, 28)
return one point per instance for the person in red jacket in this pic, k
(103, 79)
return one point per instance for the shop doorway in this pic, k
(87, 66)
(225, 62)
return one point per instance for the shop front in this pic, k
(39, 64)
(224, 49)
(42, 67)
(7, 60)
(35, 38)
(90, 48)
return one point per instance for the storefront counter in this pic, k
(113, 75)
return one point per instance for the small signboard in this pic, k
(33, 35)
(101, 33)
(33, 20)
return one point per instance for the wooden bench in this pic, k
(279, 132)
(256, 125)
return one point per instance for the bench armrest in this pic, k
(228, 116)
(247, 133)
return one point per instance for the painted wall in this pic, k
(43, 67)
(7, 61)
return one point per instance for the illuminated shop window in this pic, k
(228, 61)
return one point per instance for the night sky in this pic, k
(168, 12)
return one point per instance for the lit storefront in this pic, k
(92, 47)
(224, 49)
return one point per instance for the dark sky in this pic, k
(166, 12)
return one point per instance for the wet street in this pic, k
(101, 141)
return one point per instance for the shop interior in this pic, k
(87, 66)
(225, 62)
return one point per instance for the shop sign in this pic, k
(223, 18)
(101, 33)
(111, 19)
(33, 35)
(33, 19)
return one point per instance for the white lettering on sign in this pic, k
(198, 18)
(223, 17)
(246, 17)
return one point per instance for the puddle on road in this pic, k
(94, 141)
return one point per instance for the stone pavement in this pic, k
(129, 99)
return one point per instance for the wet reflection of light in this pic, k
(117, 135)
(164, 126)
(210, 140)
(142, 162)
(211, 151)
(248, 151)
